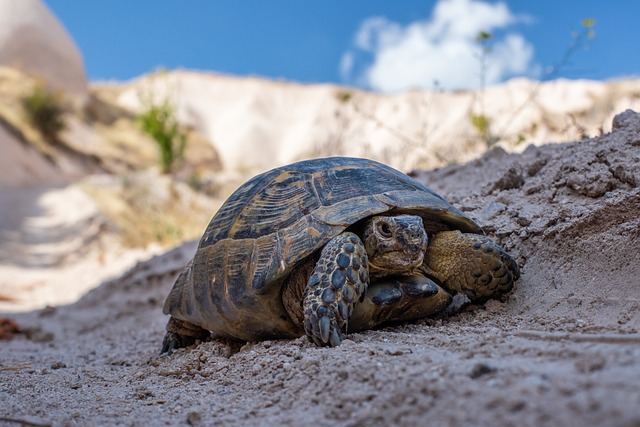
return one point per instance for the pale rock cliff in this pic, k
(33, 40)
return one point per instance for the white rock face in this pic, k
(34, 41)
(256, 124)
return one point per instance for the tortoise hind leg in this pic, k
(339, 280)
(181, 333)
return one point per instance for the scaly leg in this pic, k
(471, 264)
(337, 283)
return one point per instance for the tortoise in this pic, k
(328, 246)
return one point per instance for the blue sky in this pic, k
(373, 44)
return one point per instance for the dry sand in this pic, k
(562, 349)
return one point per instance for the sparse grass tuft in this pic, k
(44, 111)
(160, 123)
(482, 124)
(344, 96)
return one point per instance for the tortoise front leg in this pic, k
(339, 280)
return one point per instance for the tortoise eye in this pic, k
(384, 230)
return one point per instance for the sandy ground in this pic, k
(563, 349)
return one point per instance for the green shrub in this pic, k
(44, 111)
(159, 122)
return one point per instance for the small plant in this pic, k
(484, 41)
(160, 123)
(344, 96)
(480, 121)
(44, 111)
(482, 124)
(580, 40)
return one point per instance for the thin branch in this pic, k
(396, 133)
(552, 73)
(596, 338)
(15, 367)
(24, 422)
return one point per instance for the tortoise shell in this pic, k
(276, 220)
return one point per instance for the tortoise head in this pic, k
(394, 244)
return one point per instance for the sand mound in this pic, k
(569, 213)
(563, 349)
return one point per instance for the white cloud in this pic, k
(442, 48)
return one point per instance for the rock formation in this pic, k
(256, 124)
(34, 41)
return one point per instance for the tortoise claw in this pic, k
(325, 328)
(335, 339)
(331, 336)
(322, 326)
